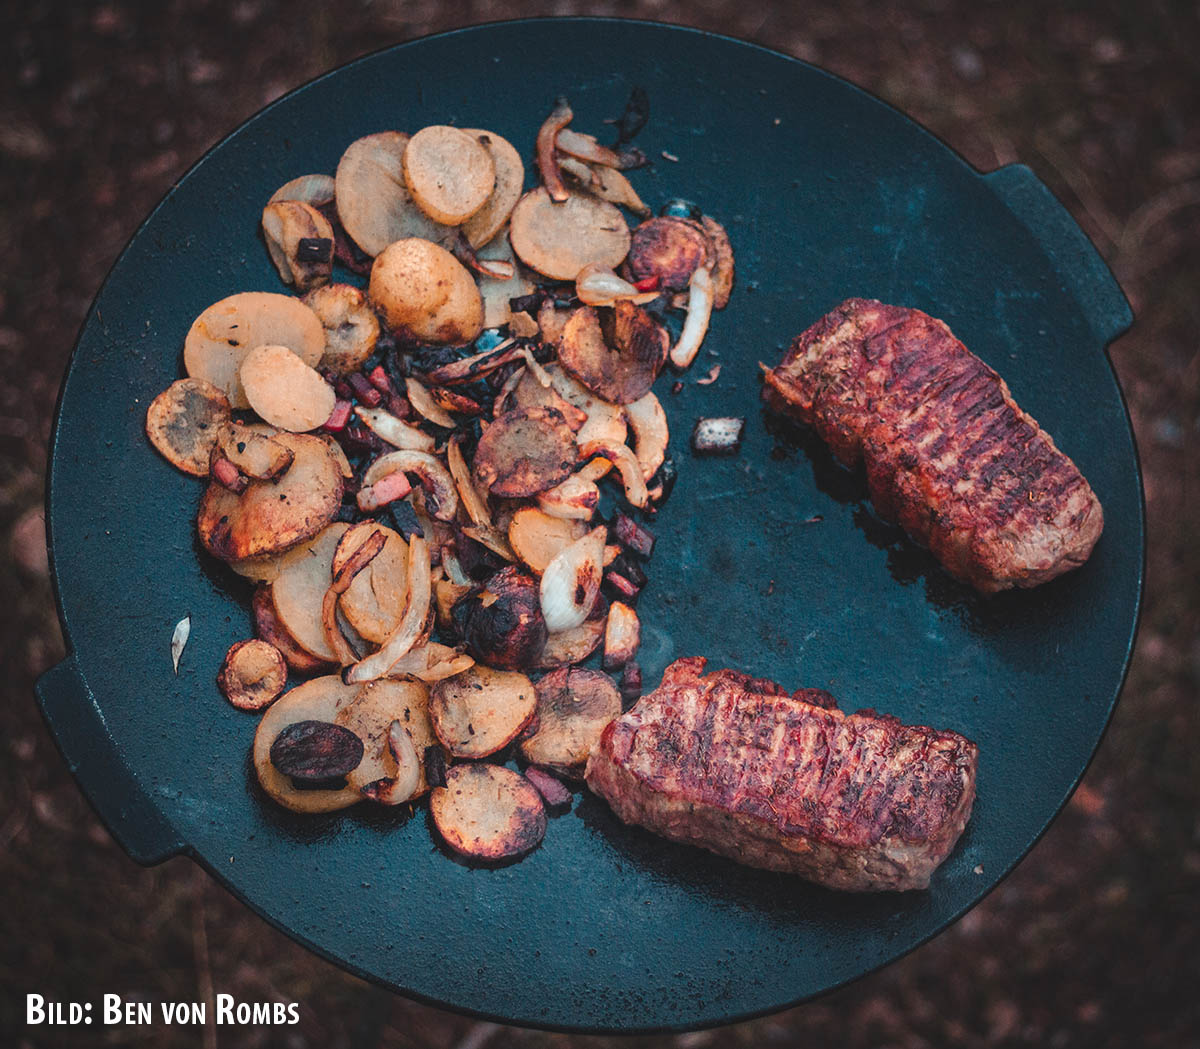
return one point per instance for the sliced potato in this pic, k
(259, 457)
(316, 700)
(253, 675)
(537, 538)
(569, 647)
(524, 452)
(573, 707)
(273, 516)
(615, 353)
(369, 715)
(375, 601)
(489, 220)
(558, 240)
(184, 421)
(425, 293)
(669, 248)
(268, 628)
(373, 201)
(285, 391)
(223, 334)
(300, 241)
(481, 711)
(488, 813)
(299, 593)
(449, 173)
(351, 327)
(446, 594)
(310, 189)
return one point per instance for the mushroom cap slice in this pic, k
(558, 240)
(524, 452)
(184, 423)
(272, 516)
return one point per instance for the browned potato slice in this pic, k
(316, 700)
(558, 240)
(370, 713)
(424, 292)
(497, 293)
(273, 516)
(488, 812)
(375, 601)
(351, 327)
(572, 646)
(573, 707)
(183, 423)
(481, 711)
(373, 201)
(537, 538)
(299, 592)
(449, 173)
(223, 334)
(668, 248)
(722, 277)
(253, 675)
(269, 629)
(300, 241)
(259, 457)
(616, 353)
(481, 227)
(524, 452)
(310, 189)
(285, 391)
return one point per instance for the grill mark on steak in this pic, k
(948, 453)
(738, 766)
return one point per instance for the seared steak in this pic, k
(787, 782)
(949, 455)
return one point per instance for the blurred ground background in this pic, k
(1092, 942)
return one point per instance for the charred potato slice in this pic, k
(669, 248)
(272, 516)
(253, 675)
(558, 240)
(268, 628)
(316, 700)
(449, 173)
(489, 220)
(373, 201)
(616, 353)
(374, 602)
(221, 337)
(184, 421)
(524, 452)
(425, 293)
(351, 327)
(299, 592)
(285, 391)
(573, 707)
(487, 812)
(369, 715)
(481, 711)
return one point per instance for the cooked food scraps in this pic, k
(407, 456)
(788, 782)
(948, 454)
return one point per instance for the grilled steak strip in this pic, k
(788, 782)
(949, 455)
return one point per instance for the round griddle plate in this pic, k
(771, 561)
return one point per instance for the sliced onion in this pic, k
(363, 555)
(574, 499)
(695, 326)
(626, 463)
(500, 404)
(394, 790)
(411, 626)
(420, 399)
(650, 432)
(597, 285)
(571, 582)
(435, 479)
(395, 431)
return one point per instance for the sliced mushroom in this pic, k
(300, 241)
(627, 465)
(528, 392)
(722, 270)
(351, 327)
(559, 239)
(695, 326)
(617, 355)
(253, 675)
(606, 183)
(669, 248)
(524, 452)
(184, 423)
(546, 151)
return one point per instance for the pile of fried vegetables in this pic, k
(412, 473)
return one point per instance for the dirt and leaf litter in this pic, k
(408, 448)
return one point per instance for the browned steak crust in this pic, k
(948, 454)
(788, 782)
